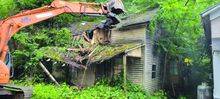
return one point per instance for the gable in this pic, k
(215, 24)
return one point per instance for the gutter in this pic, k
(207, 12)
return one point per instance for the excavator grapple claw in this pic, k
(116, 7)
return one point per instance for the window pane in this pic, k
(153, 75)
(153, 67)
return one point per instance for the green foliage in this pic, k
(101, 91)
(182, 97)
(7, 8)
(182, 37)
(104, 89)
(31, 47)
(139, 6)
(159, 95)
(31, 4)
(42, 91)
(133, 91)
(181, 26)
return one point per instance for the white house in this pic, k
(211, 23)
(143, 70)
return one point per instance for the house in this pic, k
(106, 64)
(142, 69)
(131, 53)
(211, 23)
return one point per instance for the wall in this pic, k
(215, 24)
(89, 76)
(93, 73)
(140, 69)
(216, 66)
(215, 29)
(151, 84)
(135, 68)
(135, 35)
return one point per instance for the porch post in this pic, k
(125, 73)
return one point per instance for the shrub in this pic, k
(98, 91)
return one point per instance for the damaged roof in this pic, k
(98, 54)
(127, 21)
(78, 28)
(137, 19)
(114, 51)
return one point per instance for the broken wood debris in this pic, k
(48, 73)
(78, 57)
(85, 51)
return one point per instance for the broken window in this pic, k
(154, 71)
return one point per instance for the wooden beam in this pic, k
(48, 73)
(125, 73)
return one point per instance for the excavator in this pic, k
(11, 25)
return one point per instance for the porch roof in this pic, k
(98, 55)
(117, 50)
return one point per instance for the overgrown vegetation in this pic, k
(27, 48)
(103, 89)
(181, 40)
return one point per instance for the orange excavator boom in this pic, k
(11, 25)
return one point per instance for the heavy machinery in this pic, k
(11, 25)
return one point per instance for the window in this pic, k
(154, 68)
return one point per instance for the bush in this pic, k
(98, 91)
(43, 91)
(28, 49)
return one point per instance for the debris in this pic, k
(48, 59)
(48, 73)
(87, 39)
(88, 61)
(63, 65)
(77, 57)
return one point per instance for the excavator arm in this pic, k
(11, 25)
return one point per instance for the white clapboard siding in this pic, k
(135, 69)
(128, 36)
(139, 69)
(150, 59)
(215, 24)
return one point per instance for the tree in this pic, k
(183, 38)
(7, 8)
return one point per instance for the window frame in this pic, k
(154, 71)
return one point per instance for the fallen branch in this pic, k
(87, 63)
(74, 64)
(87, 39)
(48, 73)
